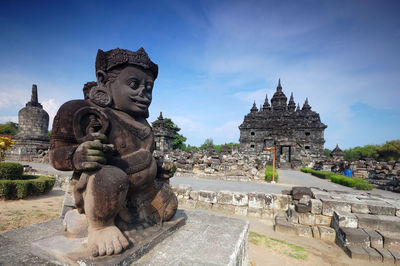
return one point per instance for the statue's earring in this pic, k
(100, 96)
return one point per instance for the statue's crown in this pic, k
(116, 57)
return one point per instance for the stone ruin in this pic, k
(32, 138)
(297, 134)
(163, 135)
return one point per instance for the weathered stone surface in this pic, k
(72, 251)
(280, 202)
(374, 255)
(240, 199)
(327, 233)
(225, 197)
(302, 208)
(358, 253)
(316, 206)
(387, 257)
(315, 232)
(241, 210)
(344, 219)
(224, 208)
(256, 213)
(204, 205)
(323, 220)
(329, 206)
(353, 237)
(285, 227)
(303, 230)
(368, 221)
(396, 255)
(380, 209)
(391, 240)
(299, 192)
(208, 196)
(194, 195)
(359, 207)
(256, 200)
(375, 238)
(306, 218)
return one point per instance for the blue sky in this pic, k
(215, 59)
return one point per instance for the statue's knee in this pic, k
(110, 180)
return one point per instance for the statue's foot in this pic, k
(106, 241)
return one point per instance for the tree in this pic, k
(327, 152)
(9, 128)
(208, 142)
(390, 151)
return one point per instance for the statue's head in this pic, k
(124, 81)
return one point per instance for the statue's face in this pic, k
(132, 91)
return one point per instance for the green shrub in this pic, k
(357, 183)
(268, 174)
(11, 171)
(29, 185)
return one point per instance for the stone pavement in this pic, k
(206, 239)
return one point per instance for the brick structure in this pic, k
(32, 138)
(297, 134)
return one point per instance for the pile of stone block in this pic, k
(366, 227)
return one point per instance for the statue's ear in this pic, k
(101, 77)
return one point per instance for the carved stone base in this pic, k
(73, 251)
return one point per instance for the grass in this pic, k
(268, 174)
(278, 245)
(357, 183)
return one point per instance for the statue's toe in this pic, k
(102, 249)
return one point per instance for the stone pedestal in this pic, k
(205, 239)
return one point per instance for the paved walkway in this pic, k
(287, 179)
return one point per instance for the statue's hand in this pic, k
(90, 155)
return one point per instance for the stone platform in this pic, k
(206, 239)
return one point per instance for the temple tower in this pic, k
(32, 137)
(163, 135)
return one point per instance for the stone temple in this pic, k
(32, 138)
(297, 134)
(163, 135)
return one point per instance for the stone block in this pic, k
(303, 230)
(398, 212)
(285, 227)
(344, 219)
(367, 221)
(389, 223)
(359, 207)
(374, 255)
(305, 199)
(299, 192)
(302, 208)
(329, 206)
(256, 200)
(241, 210)
(375, 238)
(194, 195)
(191, 203)
(207, 196)
(316, 206)
(327, 233)
(379, 209)
(204, 205)
(280, 202)
(387, 257)
(306, 218)
(353, 237)
(225, 197)
(240, 199)
(396, 256)
(293, 216)
(315, 232)
(357, 253)
(224, 208)
(391, 240)
(323, 220)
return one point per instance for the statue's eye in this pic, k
(133, 84)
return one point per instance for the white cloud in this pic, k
(51, 107)
(228, 132)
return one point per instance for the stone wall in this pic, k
(384, 175)
(209, 164)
